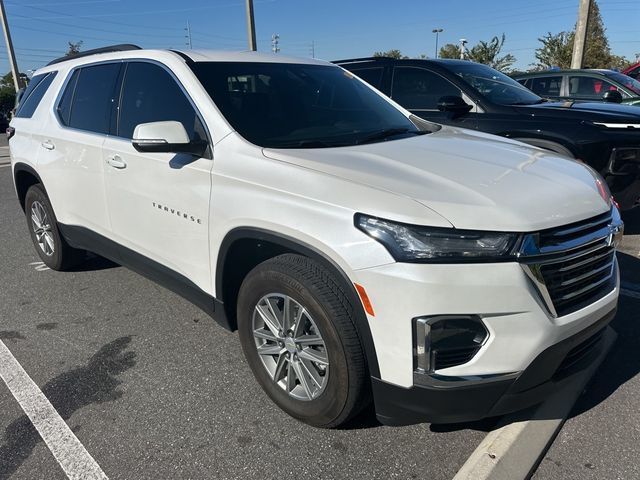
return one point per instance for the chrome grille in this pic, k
(574, 265)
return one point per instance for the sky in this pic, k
(328, 29)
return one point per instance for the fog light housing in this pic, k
(445, 341)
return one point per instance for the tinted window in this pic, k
(629, 82)
(284, 105)
(417, 88)
(150, 94)
(634, 73)
(64, 108)
(93, 100)
(373, 76)
(589, 87)
(546, 86)
(492, 84)
(33, 94)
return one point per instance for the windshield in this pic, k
(282, 105)
(493, 85)
(631, 83)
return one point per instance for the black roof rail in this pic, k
(123, 47)
(363, 59)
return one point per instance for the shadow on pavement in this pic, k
(69, 392)
(631, 220)
(93, 263)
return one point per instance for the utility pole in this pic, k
(251, 26)
(581, 34)
(17, 81)
(275, 40)
(437, 31)
(188, 36)
(463, 42)
(313, 49)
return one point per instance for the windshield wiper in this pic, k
(386, 133)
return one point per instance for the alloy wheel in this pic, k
(42, 228)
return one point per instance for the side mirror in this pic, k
(453, 104)
(612, 96)
(168, 137)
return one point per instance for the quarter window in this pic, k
(33, 94)
(419, 89)
(91, 97)
(151, 94)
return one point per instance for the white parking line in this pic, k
(74, 459)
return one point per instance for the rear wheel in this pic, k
(52, 249)
(300, 341)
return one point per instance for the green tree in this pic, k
(489, 54)
(449, 51)
(7, 99)
(555, 51)
(7, 80)
(394, 53)
(74, 48)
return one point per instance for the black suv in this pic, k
(475, 96)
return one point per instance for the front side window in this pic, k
(283, 105)
(589, 87)
(419, 89)
(629, 82)
(32, 96)
(495, 86)
(150, 94)
(546, 86)
(92, 98)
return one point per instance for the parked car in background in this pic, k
(590, 85)
(457, 92)
(633, 71)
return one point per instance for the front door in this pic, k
(159, 202)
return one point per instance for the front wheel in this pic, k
(299, 339)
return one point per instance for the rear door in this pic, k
(70, 158)
(159, 202)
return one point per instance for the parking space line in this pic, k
(74, 459)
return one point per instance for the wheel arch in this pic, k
(24, 176)
(243, 248)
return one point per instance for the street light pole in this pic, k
(251, 26)
(437, 31)
(463, 42)
(581, 34)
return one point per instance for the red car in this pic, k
(633, 71)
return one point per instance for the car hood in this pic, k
(474, 180)
(597, 110)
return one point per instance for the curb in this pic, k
(515, 447)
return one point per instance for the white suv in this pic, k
(363, 254)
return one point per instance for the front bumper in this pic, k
(452, 400)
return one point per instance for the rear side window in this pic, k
(150, 94)
(88, 101)
(373, 76)
(546, 86)
(32, 96)
(589, 87)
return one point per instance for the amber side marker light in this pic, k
(365, 299)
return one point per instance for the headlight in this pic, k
(411, 243)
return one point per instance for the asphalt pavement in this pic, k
(153, 388)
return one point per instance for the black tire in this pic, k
(346, 391)
(63, 256)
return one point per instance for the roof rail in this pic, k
(363, 59)
(123, 47)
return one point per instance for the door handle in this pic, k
(48, 145)
(116, 162)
